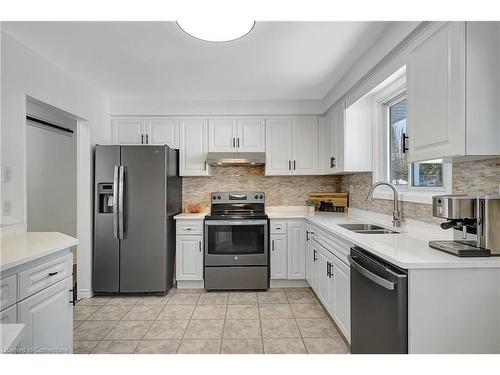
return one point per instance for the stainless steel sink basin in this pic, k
(367, 228)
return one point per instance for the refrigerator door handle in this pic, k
(121, 178)
(115, 201)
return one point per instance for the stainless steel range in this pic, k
(237, 242)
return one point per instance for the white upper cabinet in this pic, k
(222, 135)
(292, 146)
(159, 130)
(128, 131)
(278, 147)
(453, 92)
(348, 136)
(193, 147)
(236, 135)
(305, 146)
(163, 131)
(251, 135)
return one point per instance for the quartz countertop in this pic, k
(20, 248)
(11, 335)
(189, 216)
(409, 249)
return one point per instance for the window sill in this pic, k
(414, 196)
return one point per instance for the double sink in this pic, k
(367, 228)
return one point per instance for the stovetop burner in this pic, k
(237, 205)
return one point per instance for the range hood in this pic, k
(236, 158)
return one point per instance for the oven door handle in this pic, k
(236, 222)
(370, 275)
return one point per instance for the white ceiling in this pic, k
(145, 60)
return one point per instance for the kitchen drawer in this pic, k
(40, 277)
(189, 227)
(278, 226)
(8, 292)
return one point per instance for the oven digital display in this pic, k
(237, 197)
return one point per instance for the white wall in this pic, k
(395, 33)
(126, 107)
(51, 173)
(24, 73)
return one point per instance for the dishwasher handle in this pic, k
(389, 285)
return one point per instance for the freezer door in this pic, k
(143, 257)
(106, 277)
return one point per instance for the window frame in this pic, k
(391, 93)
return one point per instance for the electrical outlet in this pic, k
(6, 174)
(6, 208)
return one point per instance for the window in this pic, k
(416, 182)
(427, 174)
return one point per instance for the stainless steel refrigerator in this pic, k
(137, 194)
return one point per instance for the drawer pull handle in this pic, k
(188, 228)
(52, 273)
(278, 228)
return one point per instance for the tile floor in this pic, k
(194, 321)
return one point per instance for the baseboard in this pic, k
(85, 293)
(190, 284)
(289, 284)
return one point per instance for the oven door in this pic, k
(236, 242)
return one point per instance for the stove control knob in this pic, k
(256, 197)
(218, 197)
(261, 197)
(214, 197)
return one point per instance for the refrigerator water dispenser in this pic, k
(105, 192)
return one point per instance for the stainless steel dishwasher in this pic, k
(379, 305)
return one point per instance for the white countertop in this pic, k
(20, 248)
(409, 249)
(188, 216)
(11, 335)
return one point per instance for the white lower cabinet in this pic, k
(296, 261)
(278, 256)
(328, 274)
(189, 257)
(341, 296)
(48, 316)
(9, 315)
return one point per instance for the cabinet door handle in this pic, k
(199, 245)
(307, 235)
(52, 273)
(147, 139)
(234, 144)
(289, 165)
(294, 162)
(238, 142)
(142, 139)
(272, 245)
(333, 162)
(205, 165)
(404, 137)
(314, 255)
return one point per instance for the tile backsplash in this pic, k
(280, 190)
(475, 177)
(471, 177)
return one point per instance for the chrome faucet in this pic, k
(396, 214)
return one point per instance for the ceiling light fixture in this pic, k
(225, 31)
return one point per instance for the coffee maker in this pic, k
(475, 221)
